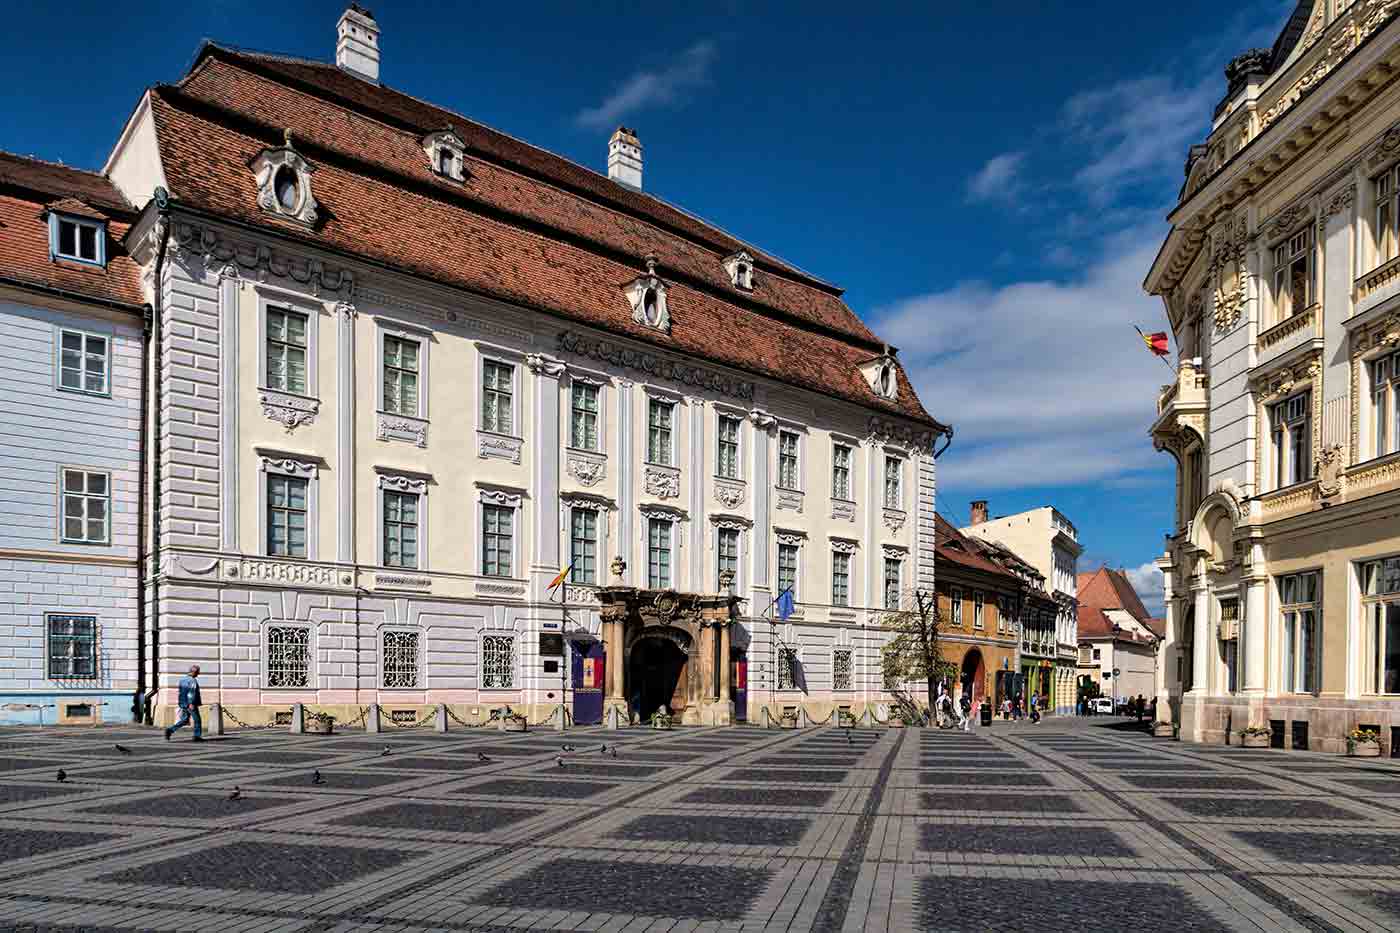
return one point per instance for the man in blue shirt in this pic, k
(189, 705)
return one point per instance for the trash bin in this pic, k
(986, 713)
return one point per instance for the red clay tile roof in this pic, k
(1106, 589)
(527, 226)
(28, 189)
(955, 547)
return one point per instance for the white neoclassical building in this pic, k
(406, 368)
(1281, 281)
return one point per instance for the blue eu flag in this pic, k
(786, 606)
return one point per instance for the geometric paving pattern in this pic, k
(1061, 825)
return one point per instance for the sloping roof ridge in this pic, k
(612, 204)
(49, 163)
(31, 182)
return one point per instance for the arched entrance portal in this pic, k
(656, 672)
(974, 673)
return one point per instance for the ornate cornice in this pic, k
(672, 370)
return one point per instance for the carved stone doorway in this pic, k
(657, 673)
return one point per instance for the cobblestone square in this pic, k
(1014, 828)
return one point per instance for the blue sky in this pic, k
(987, 181)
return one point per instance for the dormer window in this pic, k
(740, 268)
(78, 239)
(647, 296)
(445, 151)
(649, 306)
(284, 183)
(881, 375)
(886, 376)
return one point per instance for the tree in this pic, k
(915, 653)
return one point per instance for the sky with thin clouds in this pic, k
(987, 181)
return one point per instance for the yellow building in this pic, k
(1281, 280)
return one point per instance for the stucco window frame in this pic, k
(850, 687)
(98, 667)
(404, 482)
(515, 661)
(1371, 643)
(741, 473)
(1279, 614)
(100, 238)
(84, 333)
(504, 356)
(852, 446)
(653, 394)
(792, 538)
(601, 382)
(61, 506)
(299, 466)
(421, 650)
(742, 527)
(285, 299)
(604, 507)
(507, 497)
(801, 432)
(388, 327)
(311, 660)
(1308, 226)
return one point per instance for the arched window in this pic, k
(649, 305)
(286, 188)
(885, 381)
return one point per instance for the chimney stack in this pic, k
(357, 43)
(625, 158)
(979, 511)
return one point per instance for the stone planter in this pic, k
(1363, 749)
(659, 723)
(514, 725)
(320, 726)
(1164, 730)
(787, 723)
(1254, 741)
(846, 722)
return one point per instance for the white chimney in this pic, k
(625, 158)
(357, 43)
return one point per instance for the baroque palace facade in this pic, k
(404, 368)
(1281, 280)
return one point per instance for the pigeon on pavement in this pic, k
(614, 751)
(62, 775)
(481, 757)
(568, 748)
(559, 760)
(386, 753)
(123, 749)
(237, 793)
(317, 779)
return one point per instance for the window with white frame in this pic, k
(660, 439)
(497, 540)
(787, 569)
(583, 545)
(955, 605)
(727, 455)
(841, 472)
(659, 553)
(583, 425)
(1380, 608)
(1230, 646)
(286, 515)
(1003, 614)
(400, 529)
(83, 362)
(72, 646)
(1387, 215)
(1294, 276)
(727, 552)
(842, 670)
(979, 606)
(87, 507)
(787, 668)
(79, 239)
(840, 578)
(1385, 405)
(789, 476)
(894, 483)
(497, 662)
(893, 571)
(401, 370)
(288, 656)
(1290, 423)
(1298, 604)
(497, 397)
(286, 350)
(400, 659)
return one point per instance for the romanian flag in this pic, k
(1157, 342)
(562, 575)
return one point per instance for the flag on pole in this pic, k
(562, 575)
(1157, 343)
(786, 605)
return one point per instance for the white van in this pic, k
(1103, 705)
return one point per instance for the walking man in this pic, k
(189, 705)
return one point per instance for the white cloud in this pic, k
(649, 88)
(1045, 382)
(1147, 583)
(998, 179)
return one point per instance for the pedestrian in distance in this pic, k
(189, 705)
(966, 704)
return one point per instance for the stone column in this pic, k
(626, 500)
(725, 650)
(1200, 588)
(760, 583)
(1162, 670)
(1255, 655)
(544, 460)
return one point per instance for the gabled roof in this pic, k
(526, 226)
(29, 189)
(1107, 590)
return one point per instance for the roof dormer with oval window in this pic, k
(740, 268)
(284, 183)
(882, 374)
(446, 152)
(647, 295)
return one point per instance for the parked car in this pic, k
(1103, 705)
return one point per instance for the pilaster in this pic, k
(544, 467)
(345, 432)
(761, 585)
(228, 409)
(626, 500)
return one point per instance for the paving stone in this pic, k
(190, 806)
(157, 774)
(1386, 901)
(1194, 782)
(704, 892)
(439, 817)
(515, 787)
(1350, 848)
(337, 779)
(27, 843)
(759, 797)
(810, 761)
(248, 865)
(1372, 785)
(272, 756)
(735, 830)
(1265, 808)
(26, 793)
(1044, 804)
(423, 763)
(984, 778)
(975, 905)
(807, 776)
(599, 769)
(22, 764)
(1025, 839)
(956, 761)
